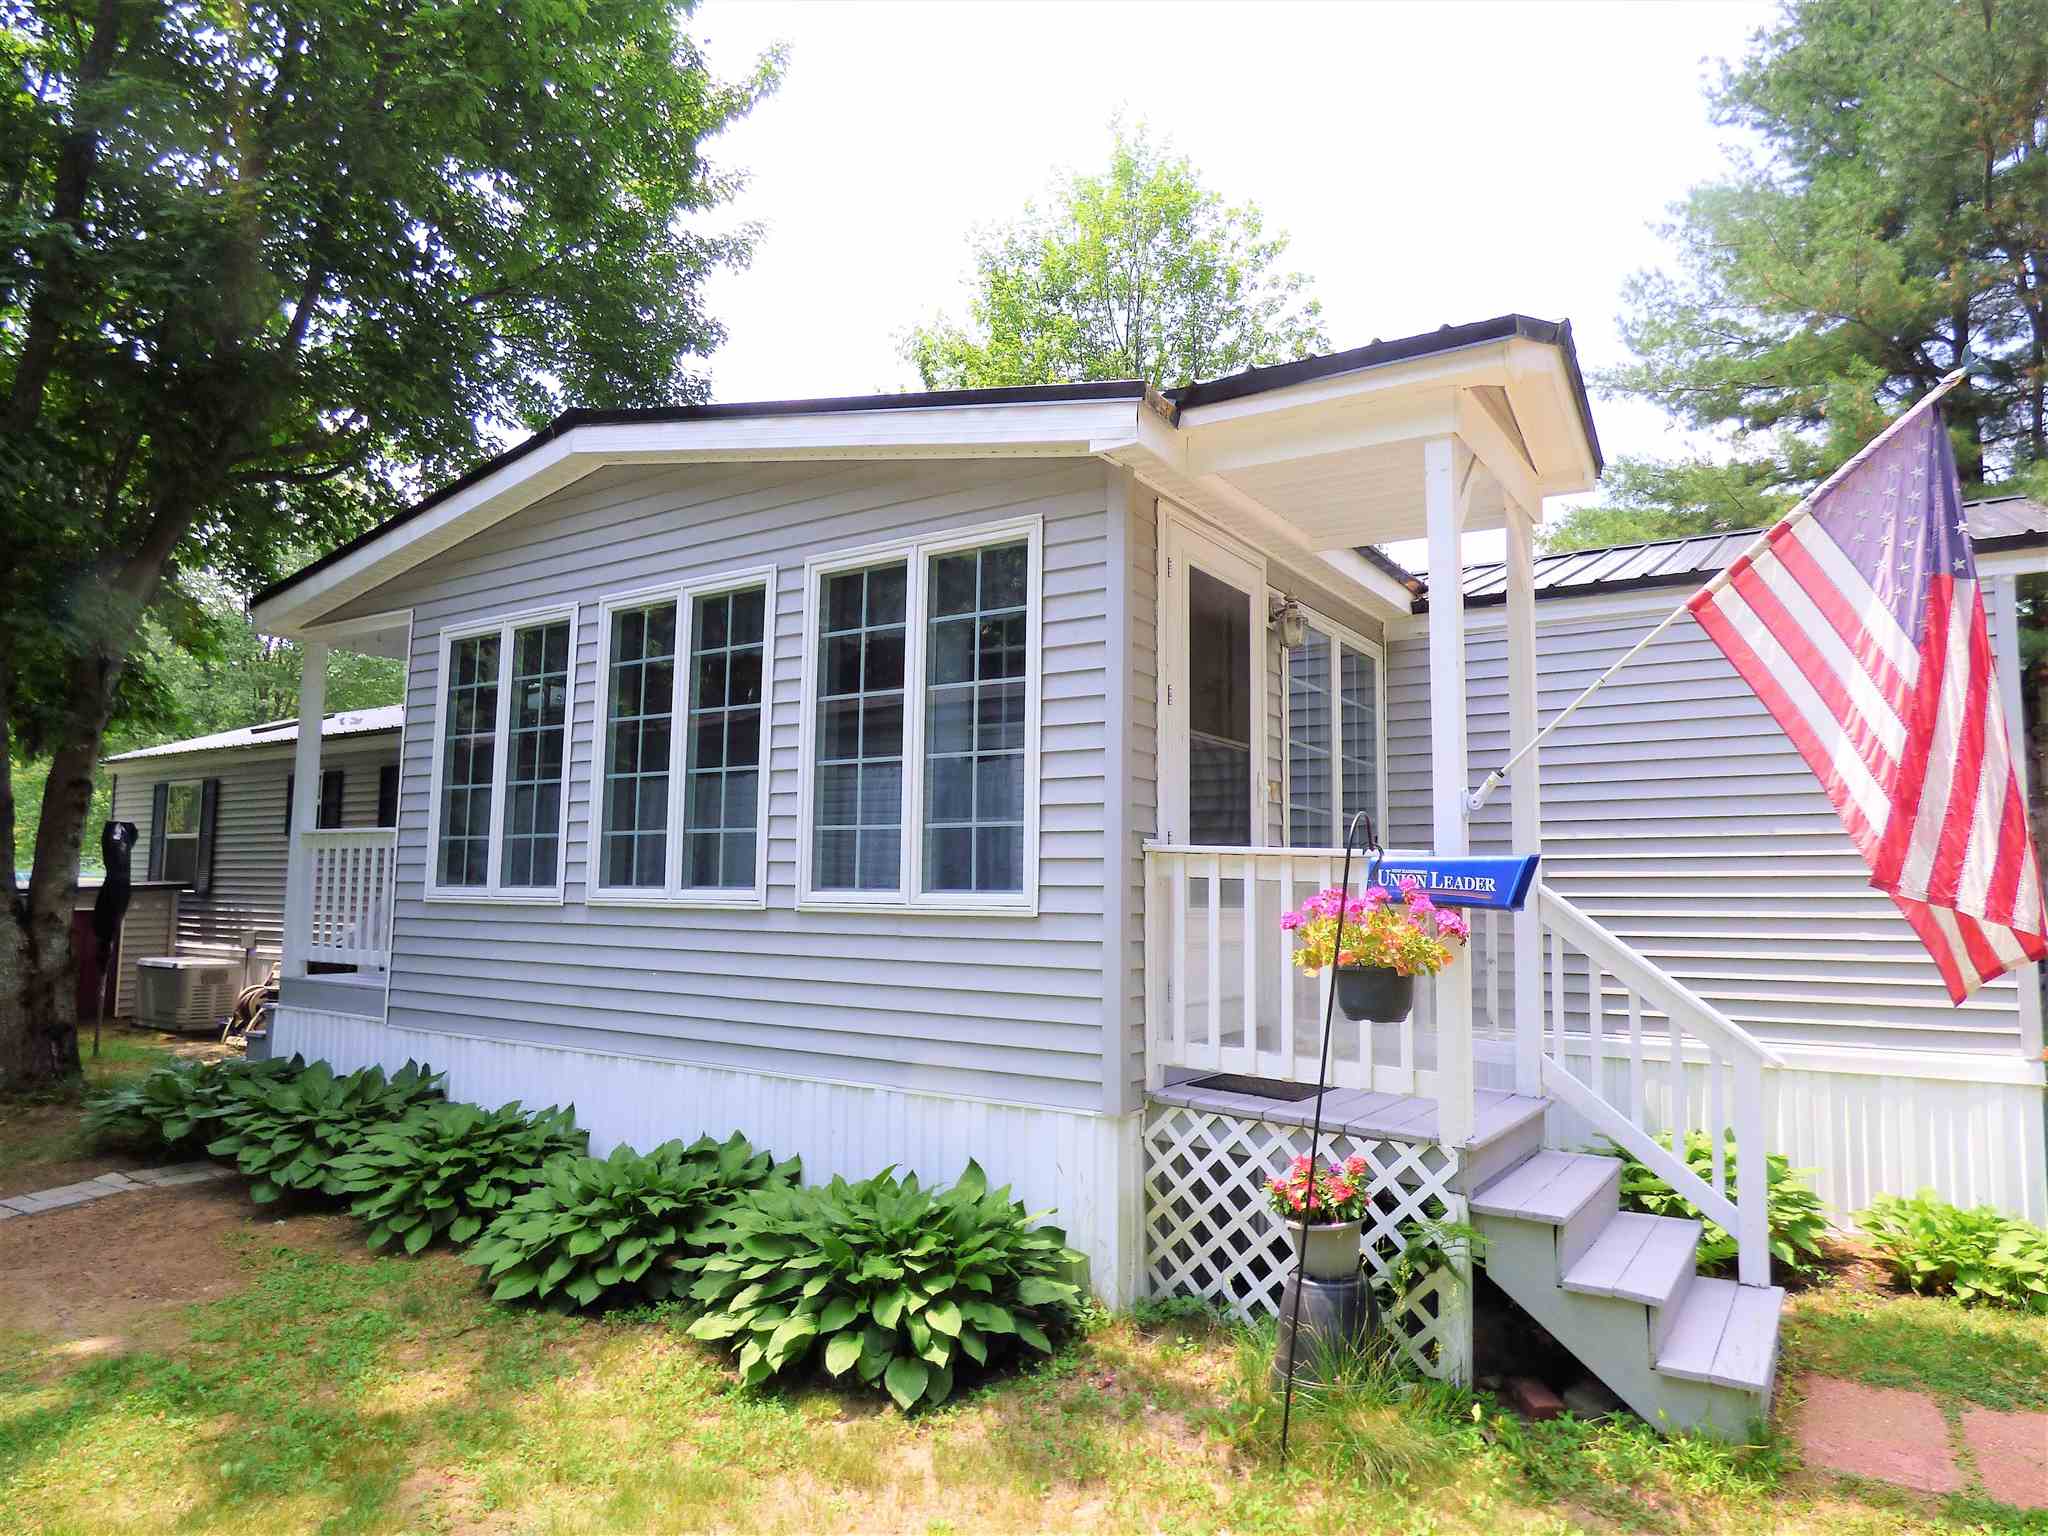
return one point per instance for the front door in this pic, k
(1211, 773)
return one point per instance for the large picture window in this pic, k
(498, 772)
(681, 813)
(921, 724)
(1334, 750)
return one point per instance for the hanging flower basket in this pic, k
(1376, 994)
(1378, 944)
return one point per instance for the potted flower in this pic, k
(1386, 944)
(1324, 1210)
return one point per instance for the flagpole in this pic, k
(1476, 801)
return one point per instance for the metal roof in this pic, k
(271, 733)
(1996, 523)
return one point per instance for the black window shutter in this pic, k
(209, 803)
(291, 789)
(159, 806)
(331, 784)
(387, 795)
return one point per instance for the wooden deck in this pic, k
(1361, 1113)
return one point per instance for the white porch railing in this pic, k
(1222, 995)
(349, 918)
(1619, 1093)
(1221, 990)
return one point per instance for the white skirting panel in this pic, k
(1862, 1123)
(1084, 1168)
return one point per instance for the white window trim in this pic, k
(492, 892)
(671, 892)
(909, 895)
(198, 788)
(1343, 635)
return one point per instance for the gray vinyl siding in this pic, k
(1008, 1008)
(1678, 814)
(247, 890)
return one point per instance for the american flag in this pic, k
(1860, 624)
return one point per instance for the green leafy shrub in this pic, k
(290, 1133)
(1975, 1255)
(592, 1226)
(178, 1106)
(1797, 1222)
(885, 1280)
(450, 1168)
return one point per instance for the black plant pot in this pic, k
(1378, 994)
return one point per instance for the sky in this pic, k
(1431, 163)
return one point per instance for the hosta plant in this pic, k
(1797, 1222)
(625, 1223)
(177, 1107)
(885, 1282)
(1973, 1255)
(449, 1168)
(290, 1133)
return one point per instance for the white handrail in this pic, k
(1731, 1052)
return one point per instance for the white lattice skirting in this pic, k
(1208, 1232)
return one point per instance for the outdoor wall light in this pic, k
(1287, 618)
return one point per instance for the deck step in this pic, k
(1639, 1258)
(1725, 1333)
(1551, 1187)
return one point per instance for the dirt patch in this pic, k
(97, 1271)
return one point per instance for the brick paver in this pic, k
(66, 1195)
(1883, 1433)
(2011, 1450)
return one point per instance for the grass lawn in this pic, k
(41, 1141)
(187, 1361)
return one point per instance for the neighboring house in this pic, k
(213, 814)
(900, 779)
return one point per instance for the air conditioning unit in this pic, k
(186, 991)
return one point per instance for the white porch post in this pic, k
(298, 884)
(1525, 791)
(1444, 465)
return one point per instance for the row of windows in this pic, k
(920, 729)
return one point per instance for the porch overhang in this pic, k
(1332, 460)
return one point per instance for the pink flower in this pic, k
(1451, 925)
(1376, 896)
(1301, 1164)
(1341, 1188)
(1290, 921)
(1410, 885)
(1354, 1165)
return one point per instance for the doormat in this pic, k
(1258, 1087)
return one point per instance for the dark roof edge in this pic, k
(831, 405)
(1449, 338)
(1373, 555)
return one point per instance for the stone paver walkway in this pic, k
(1894, 1436)
(111, 1184)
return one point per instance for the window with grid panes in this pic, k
(857, 809)
(469, 742)
(974, 677)
(532, 848)
(722, 788)
(640, 709)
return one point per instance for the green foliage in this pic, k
(1797, 1222)
(1887, 213)
(629, 1222)
(1136, 273)
(177, 1107)
(886, 1282)
(449, 1168)
(290, 1133)
(1975, 1255)
(1429, 1244)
